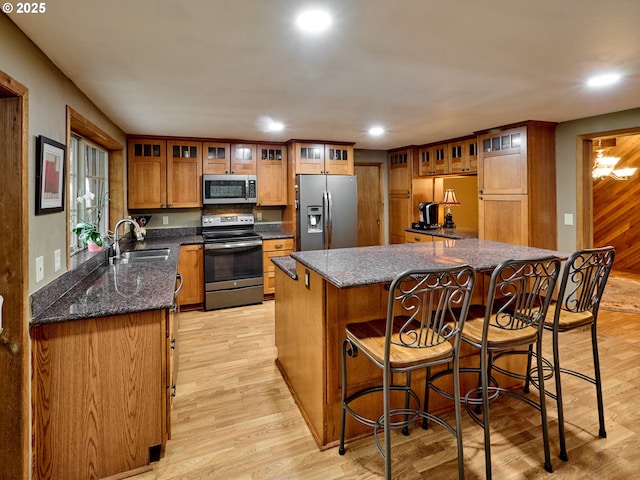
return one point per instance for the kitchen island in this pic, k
(319, 292)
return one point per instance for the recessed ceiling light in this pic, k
(313, 21)
(376, 131)
(275, 127)
(603, 80)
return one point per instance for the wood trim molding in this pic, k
(79, 124)
(14, 339)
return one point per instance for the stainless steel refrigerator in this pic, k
(327, 211)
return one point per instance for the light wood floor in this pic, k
(235, 419)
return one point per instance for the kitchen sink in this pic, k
(143, 256)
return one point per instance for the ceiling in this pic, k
(426, 70)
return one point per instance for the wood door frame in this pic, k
(584, 183)
(14, 279)
(381, 167)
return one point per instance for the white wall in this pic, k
(49, 94)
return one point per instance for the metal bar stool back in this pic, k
(425, 314)
(583, 281)
(510, 323)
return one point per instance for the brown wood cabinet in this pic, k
(406, 191)
(463, 156)
(400, 164)
(147, 173)
(184, 174)
(164, 174)
(321, 158)
(271, 248)
(100, 401)
(243, 159)
(458, 156)
(191, 267)
(272, 175)
(216, 158)
(517, 185)
(412, 237)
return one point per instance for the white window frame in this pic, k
(88, 171)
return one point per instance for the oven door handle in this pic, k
(223, 246)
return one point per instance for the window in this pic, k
(88, 187)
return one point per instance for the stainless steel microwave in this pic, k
(226, 189)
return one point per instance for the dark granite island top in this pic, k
(354, 267)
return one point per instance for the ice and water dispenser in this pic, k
(314, 219)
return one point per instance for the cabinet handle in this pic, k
(279, 245)
(416, 239)
(173, 344)
(173, 390)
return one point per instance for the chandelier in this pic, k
(604, 167)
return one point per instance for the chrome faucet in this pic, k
(116, 241)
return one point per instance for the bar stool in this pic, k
(583, 280)
(425, 314)
(517, 301)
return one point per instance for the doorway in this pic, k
(607, 207)
(14, 214)
(370, 204)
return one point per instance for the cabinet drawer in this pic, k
(277, 244)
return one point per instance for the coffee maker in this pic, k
(428, 216)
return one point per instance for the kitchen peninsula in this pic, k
(319, 292)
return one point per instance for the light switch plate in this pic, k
(568, 219)
(39, 269)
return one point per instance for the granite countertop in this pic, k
(270, 231)
(454, 233)
(287, 265)
(353, 267)
(117, 289)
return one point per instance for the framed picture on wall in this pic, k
(50, 181)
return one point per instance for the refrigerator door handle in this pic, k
(328, 219)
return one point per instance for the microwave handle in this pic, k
(246, 189)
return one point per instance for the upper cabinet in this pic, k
(517, 185)
(321, 158)
(216, 158)
(272, 175)
(243, 159)
(164, 174)
(229, 158)
(463, 156)
(184, 174)
(433, 160)
(456, 157)
(147, 173)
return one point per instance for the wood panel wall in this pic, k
(616, 212)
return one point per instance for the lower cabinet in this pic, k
(412, 237)
(99, 401)
(271, 248)
(191, 267)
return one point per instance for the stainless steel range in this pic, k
(232, 261)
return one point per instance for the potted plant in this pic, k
(88, 229)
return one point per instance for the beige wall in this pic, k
(49, 94)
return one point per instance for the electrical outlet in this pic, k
(259, 216)
(307, 279)
(56, 260)
(165, 220)
(39, 269)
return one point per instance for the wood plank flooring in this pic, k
(234, 418)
